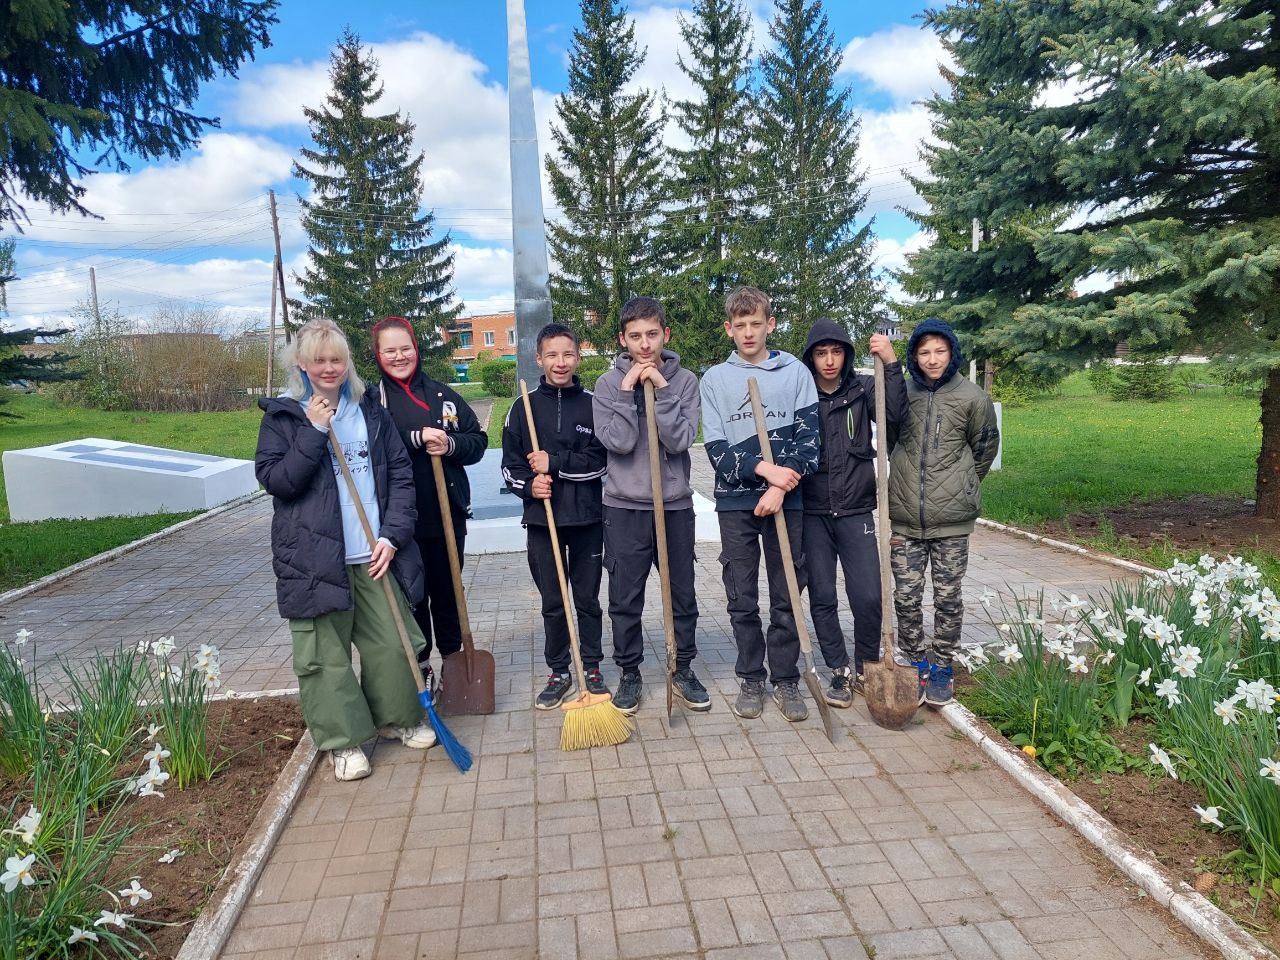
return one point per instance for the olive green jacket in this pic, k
(946, 446)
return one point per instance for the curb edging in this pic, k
(1129, 565)
(1190, 908)
(212, 929)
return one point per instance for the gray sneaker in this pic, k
(750, 702)
(840, 692)
(787, 696)
(553, 694)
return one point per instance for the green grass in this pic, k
(497, 417)
(29, 551)
(471, 392)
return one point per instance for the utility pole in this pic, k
(271, 343)
(976, 237)
(97, 322)
(279, 270)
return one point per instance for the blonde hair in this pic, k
(744, 301)
(310, 338)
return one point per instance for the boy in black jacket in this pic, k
(840, 499)
(566, 471)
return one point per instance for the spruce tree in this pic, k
(805, 245)
(372, 253)
(606, 175)
(700, 237)
(15, 365)
(1158, 176)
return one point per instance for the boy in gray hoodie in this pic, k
(630, 538)
(749, 491)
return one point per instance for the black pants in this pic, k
(852, 541)
(580, 549)
(741, 533)
(630, 552)
(437, 614)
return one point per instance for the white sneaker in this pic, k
(420, 737)
(350, 764)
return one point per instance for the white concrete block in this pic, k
(106, 478)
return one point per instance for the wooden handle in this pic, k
(565, 598)
(784, 542)
(660, 525)
(882, 515)
(455, 565)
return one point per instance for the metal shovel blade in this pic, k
(814, 684)
(466, 689)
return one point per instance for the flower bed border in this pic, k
(1190, 908)
(1123, 564)
(212, 928)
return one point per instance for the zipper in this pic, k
(924, 450)
(937, 432)
(559, 394)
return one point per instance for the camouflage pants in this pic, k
(949, 557)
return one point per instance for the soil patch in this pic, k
(207, 821)
(1215, 525)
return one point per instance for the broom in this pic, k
(456, 752)
(660, 533)
(590, 719)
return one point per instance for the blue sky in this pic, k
(197, 230)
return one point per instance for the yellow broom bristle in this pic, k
(593, 721)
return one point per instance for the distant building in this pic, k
(491, 334)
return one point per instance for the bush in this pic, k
(439, 368)
(1015, 387)
(1101, 377)
(1144, 378)
(497, 375)
(591, 369)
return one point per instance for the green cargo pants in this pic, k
(340, 710)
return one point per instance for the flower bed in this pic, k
(1157, 700)
(124, 816)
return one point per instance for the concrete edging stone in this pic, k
(1129, 565)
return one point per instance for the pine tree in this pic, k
(1158, 176)
(700, 236)
(15, 365)
(110, 79)
(372, 254)
(809, 253)
(605, 176)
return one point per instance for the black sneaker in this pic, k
(687, 687)
(429, 678)
(840, 693)
(553, 694)
(787, 696)
(630, 691)
(595, 681)
(750, 702)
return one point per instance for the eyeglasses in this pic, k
(393, 354)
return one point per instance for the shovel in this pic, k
(466, 677)
(789, 568)
(892, 691)
(660, 529)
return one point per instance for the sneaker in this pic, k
(553, 694)
(750, 702)
(595, 682)
(687, 687)
(787, 696)
(350, 764)
(429, 678)
(420, 737)
(941, 688)
(630, 692)
(840, 693)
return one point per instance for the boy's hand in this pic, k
(539, 461)
(783, 477)
(882, 347)
(541, 487)
(435, 442)
(771, 502)
(383, 554)
(633, 376)
(653, 376)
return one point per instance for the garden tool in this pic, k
(892, 691)
(590, 719)
(789, 569)
(660, 531)
(466, 676)
(456, 752)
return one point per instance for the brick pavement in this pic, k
(714, 838)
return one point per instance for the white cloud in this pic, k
(891, 254)
(483, 276)
(901, 61)
(890, 142)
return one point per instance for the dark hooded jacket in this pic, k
(308, 553)
(845, 482)
(947, 444)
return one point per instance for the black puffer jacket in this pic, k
(845, 482)
(294, 465)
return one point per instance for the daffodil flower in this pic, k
(171, 856)
(1209, 816)
(28, 826)
(1187, 660)
(115, 919)
(17, 870)
(1162, 758)
(135, 893)
(152, 730)
(987, 598)
(78, 934)
(1076, 663)
(1144, 678)
(1168, 689)
(156, 754)
(1107, 657)
(1113, 634)
(1226, 709)
(1270, 770)
(1203, 616)
(1011, 654)
(22, 636)
(1135, 615)
(163, 647)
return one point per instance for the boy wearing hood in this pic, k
(630, 544)
(840, 499)
(748, 491)
(947, 444)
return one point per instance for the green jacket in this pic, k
(946, 446)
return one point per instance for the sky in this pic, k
(196, 231)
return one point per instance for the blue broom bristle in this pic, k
(459, 754)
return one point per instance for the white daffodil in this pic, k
(1203, 616)
(1209, 816)
(1113, 634)
(144, 646)
(1076, 663)
(156, 754)
(1257, 694)
(1034, 622)
(1003, 627)
(1253, 605)
(115, 919)
(1169, 690)
(1162, 758)
(1074, 606)
(1270, 770)
(987, 598)
(1250, 574)
(28, 826)
(22, 636)
(149, 790)
(153, 730)
(1198, 597)
(17, 870)
(1144, 678)
(1099, 617)
(77, 934)
(171, 856)
(1206, 562)
(208, 655)
(163, 647)
(1271, 630)
(1226, 710)
(976, 653)
(1135, 615)
(1011, 654)
(135, 893)
(1187, 660)
(1057, 648)
(1107, 657)
(151, 781)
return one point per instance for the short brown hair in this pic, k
(641, 308)
(745, 301)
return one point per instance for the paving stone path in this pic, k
(711, 838)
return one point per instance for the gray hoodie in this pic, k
(790, 402)
(620, 425)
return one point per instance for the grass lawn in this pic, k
(497, 417)
(471, 391)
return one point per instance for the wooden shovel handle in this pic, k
(660, 530)
(882, 514)
(455, 566)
